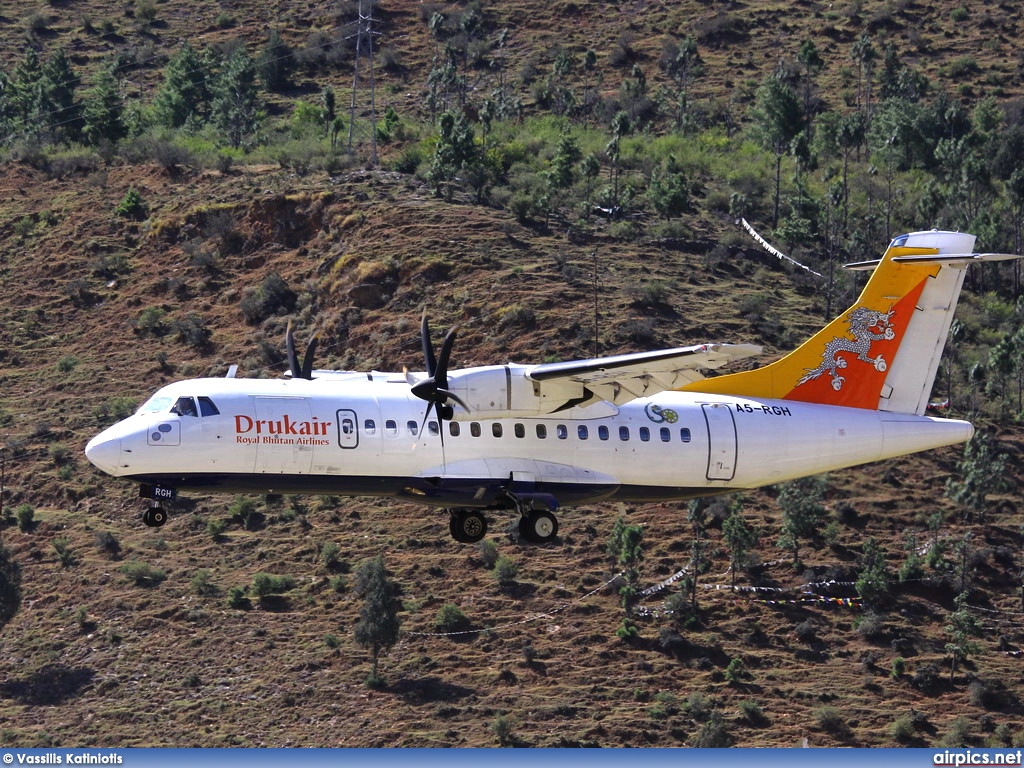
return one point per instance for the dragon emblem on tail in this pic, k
(867, 326)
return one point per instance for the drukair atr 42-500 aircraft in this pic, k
(530, 439)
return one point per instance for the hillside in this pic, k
(129, 638)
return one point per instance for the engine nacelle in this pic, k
(507, 391)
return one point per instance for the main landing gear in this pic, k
(537, 525)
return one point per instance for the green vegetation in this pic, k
(378, 619)
(142, 574)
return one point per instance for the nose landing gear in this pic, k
(154, 517)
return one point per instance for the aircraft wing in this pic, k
(621, 378)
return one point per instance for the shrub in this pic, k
(151, 322)
(142, 574)
(67, 364)
(66, 555)
(329, 552)
(202, 583)
(237, 599)
(270, 297)
(926, 679)
(107, 542)
(25, 515)
(265, 584)
(751, 712)
(736, 673)
(502, 728)
(215, 527)
(899, 666)
(450, 619)
(666, 704)
(959, 735)
(806, 631)
(488, 553)
(713, 734)
(505, 569)
(902, 729)
(245, 512)
(131, 205)
(193, 331)
(830, 719)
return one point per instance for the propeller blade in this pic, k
(447, 395)
(293, 359)
(307, 361)
(441, 374)
(428, 347)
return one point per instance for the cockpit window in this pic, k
(207, 408)
(156, 404)
(185, 406)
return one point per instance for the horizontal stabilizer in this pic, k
(938, 258)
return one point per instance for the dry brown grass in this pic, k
(93, 658)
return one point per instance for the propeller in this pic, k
(434, 388)
(305, 371)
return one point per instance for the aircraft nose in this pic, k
(104, 452)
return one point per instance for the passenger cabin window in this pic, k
(496, 429)
(582, 432)
(474, 428)
(602, 432)
(645, 434)
(413, 427)
(562, 431)
(542, 431)
(207, 408)
(666, 435)
(624, 434)
(454, 429)
(391, 428)
(432, 428)
(185, 406)
(370, 427)
(684, 434)
(520, 431)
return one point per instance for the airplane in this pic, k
(530, 439)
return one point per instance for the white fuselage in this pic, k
(363, 434)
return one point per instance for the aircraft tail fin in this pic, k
(883, 352)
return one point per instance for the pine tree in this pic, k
(378, 619)
(59, 108)
(10, 586)
(235, 105)
(961, 628)
(275, 63)
(778, 120)
(184, 93)
(802, 512)
(873, 580)
(741, 538)
(981, 471)
(25, 97)
(104, 108)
